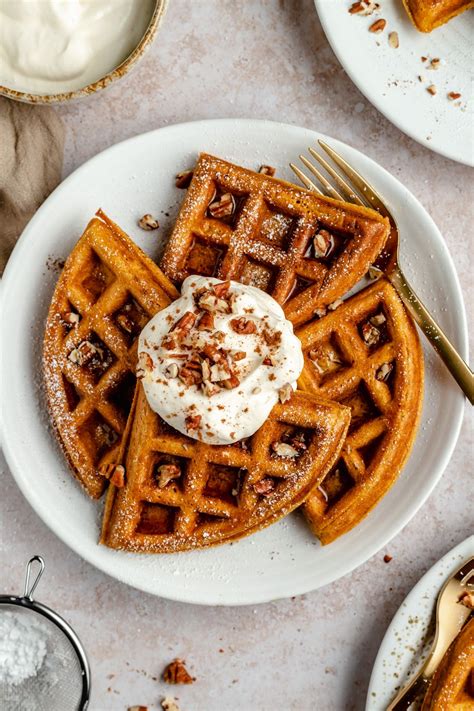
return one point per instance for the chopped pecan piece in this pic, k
(285, 393)
(84, 353)
(176, 673)
(387, 558)
(183, 179)
(393, 40)
(384, 371)
(172, 370)
(223, 206)
(145, 360)
(185, 323)
(243, 325)
(239, 355)
(193, 422)
(267, 170)
(222, 289)
(284, 450)
(231, 382)
(453, 95)
(166, 473)
(125, 323)
(323, 244)
(72, 319)
(264, 487)
(206, 322)
(169, 704)
(209, 301)
(138, 708)
(148, 222)
(432, 90)
(378, 319)
(467, 599)
(117, 477)
(370, 334)
(378, 26)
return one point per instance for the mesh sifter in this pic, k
(38, 642)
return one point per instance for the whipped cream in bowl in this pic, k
(215, 362)
(55, 50)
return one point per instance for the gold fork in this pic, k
(451, 615)
(354, 188)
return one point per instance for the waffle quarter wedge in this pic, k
(366, 355)
(452, 686)
(303, 249)
(182, 494)
(426, 15)
(106, 293)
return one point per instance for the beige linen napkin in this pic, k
(31, 158)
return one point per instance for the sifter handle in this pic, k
(29, 589)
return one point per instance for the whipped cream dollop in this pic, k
(215, 362)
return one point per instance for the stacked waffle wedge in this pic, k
(358, 400)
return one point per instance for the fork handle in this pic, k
(417, 687)
(436, 336)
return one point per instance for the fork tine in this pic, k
(346, 189)
(328, 188)
(372, 197)
(304, 179)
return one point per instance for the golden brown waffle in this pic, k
(379, 375)
(106, 293)
(250, 227)
(452, 686)
(218, 493)
(426, 15)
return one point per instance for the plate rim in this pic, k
(184, 595)
(413, 593)
(376, 101)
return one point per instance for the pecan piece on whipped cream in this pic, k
(206, 322)
(243, 325)
(185, 323)
(193, 422)
(176, 673)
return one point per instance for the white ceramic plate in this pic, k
(389, 77)
(407, 640)
(136, 177)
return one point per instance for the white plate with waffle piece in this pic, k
(408, 639)
(137, 177)
(422, 82)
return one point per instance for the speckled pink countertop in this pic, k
(219, 58)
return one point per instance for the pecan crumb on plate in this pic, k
(148, 222)
(169, 704)
(176, 673)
